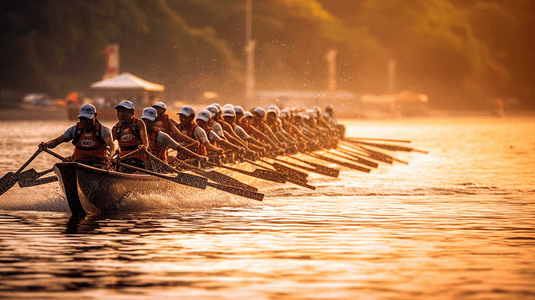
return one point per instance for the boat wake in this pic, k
(341, 190)
(52, 199)
(169, 202)
(45, 199)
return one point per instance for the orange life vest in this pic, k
(160, 152)
(188, 129)
(89, 146)
(247, 127)
(129, 139)
(163, 124)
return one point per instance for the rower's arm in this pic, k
(297, 131)
(232, 133)
(229, 145)
(143, 132)
(190, 153)
(235, 141)
(174, 129)
(114, 133)
(274, 137)
(256, 148)
(213, 148)
(110, 144)
(264, 137)
(54, 142)
(167, 140)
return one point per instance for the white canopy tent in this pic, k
(106, 94)
(127, 81)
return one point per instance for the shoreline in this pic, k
(13, 114)
(60, 113)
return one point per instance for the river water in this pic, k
(457, 223)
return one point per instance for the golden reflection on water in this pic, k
(457, 223)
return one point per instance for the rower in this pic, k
(238, 110)
(169, 125)
(225, 130)
(229, 115)
(204, 120)
(274, 123)
(188, 127)
(216, 105)
(328, 139)
(130, 133)
(285, 117)
(313, 140)
(160, 141)
(215, 125)
(246, 122)
(259, 115)
(92, 141)
(341, 128)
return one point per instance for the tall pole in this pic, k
(331, 64)
(249, 52)
(392, 77)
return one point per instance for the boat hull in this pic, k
(92, 191)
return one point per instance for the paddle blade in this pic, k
(327, 171)
(30, 174)
(227, 180)
(301, 183)
(7, 182)
(271, 176)
(319, 169)
(191, 180)
(28, 183)
(237, 191)
(341, 163)
(290, 172)
(357, 159)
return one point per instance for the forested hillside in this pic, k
(460, 53)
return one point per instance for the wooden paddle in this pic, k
(319, 169)
(63, 159)
(226, 188)
(391, 147)
(299, 175)
(221, 178)
(301, 183)
(10, 179)
(254, 163)
(375, 152)
(292, 174)
(262, 174)
(212, 175)
(376, 139)
(317, 166)
(237, 191)
(294, 180)
(338, 162)
(355, 158)
(350, 150)
(181, 178)
(31, 178)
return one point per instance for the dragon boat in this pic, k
(91, 190)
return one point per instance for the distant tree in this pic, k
(457, 52)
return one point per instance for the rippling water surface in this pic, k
(457, 223)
